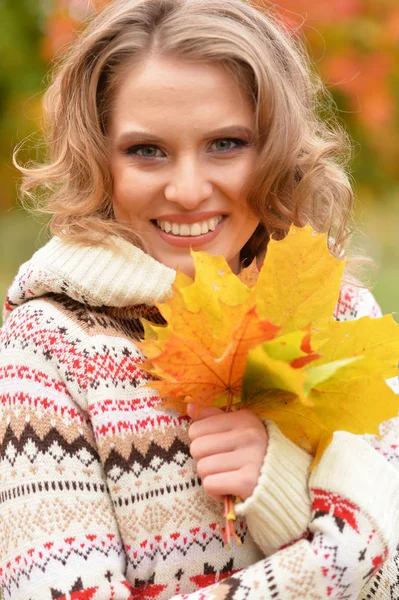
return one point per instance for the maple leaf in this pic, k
(190, 367)
(357, 404)
(299, 282)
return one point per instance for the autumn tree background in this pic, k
(353, 43)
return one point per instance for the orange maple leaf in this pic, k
(189, 368)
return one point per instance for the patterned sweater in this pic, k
(99, 496)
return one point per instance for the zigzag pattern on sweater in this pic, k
(53, 443)
(156, 457)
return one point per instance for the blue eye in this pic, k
(145, 150)
(226, 144)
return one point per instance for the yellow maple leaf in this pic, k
(364, 337)
(357, 405)
(299, 282)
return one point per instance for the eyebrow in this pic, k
(233, 130)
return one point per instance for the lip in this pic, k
(189, 218)
(188, 241)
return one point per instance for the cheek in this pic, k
(121, 178)
(238, 194)
(239, 178)
(121, 203)
(128, 196)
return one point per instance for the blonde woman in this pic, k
(173, 124)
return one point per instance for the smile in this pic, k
(190, 230)
(189, 235)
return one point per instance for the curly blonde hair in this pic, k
(300, 176)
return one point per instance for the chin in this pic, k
(185, 264)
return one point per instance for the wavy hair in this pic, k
(300, 175)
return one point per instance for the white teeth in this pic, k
(184, 229)
(194, 229)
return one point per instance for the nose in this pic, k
(188, 184)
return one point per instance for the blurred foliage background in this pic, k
(355, 46)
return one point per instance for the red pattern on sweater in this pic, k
(329, 503)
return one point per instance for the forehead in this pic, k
(161, 92)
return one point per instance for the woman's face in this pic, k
(182, 154)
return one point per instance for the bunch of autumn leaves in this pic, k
(267, 341)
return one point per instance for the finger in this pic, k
(239, 483)
(219, 421)
(209, 445)
(216, 498)
(220, 463)
(197, 413)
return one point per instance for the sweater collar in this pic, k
(117, 275)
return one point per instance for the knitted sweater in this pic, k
(99, 496)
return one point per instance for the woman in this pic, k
(172, 124)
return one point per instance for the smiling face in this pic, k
(182, 155)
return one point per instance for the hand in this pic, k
(229, 449)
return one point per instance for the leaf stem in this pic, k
(228, 530)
